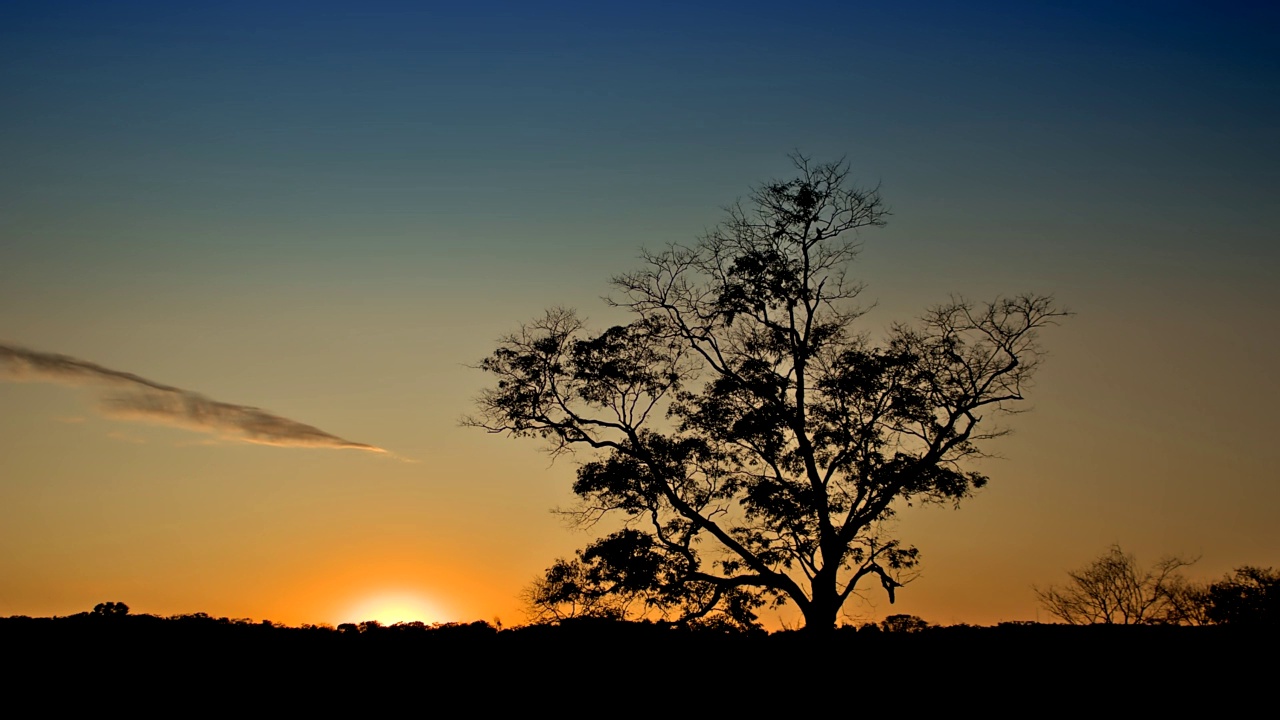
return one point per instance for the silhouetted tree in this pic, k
(750, 436)
(111, 609)
(903, 624)
(1114, 589)
(1248, 596)
(1187, 602)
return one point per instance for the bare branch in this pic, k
(1113, 589)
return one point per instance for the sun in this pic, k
(389, 608)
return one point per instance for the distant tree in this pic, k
(195, 617)
(1188, 602)
(1114, 589)
(903, 624)
(110, 609)
(751, 438)
(1248, 596)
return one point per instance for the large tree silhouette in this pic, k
(749, 435)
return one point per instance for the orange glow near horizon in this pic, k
(393, 606)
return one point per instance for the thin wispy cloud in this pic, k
(138, 398)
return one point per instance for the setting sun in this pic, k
(394, 607)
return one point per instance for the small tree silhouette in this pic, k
(110, 609)
(1114, 590)
(903, 624)
(1248, 596)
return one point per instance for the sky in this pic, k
(251, 252)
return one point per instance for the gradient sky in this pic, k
(330, 210)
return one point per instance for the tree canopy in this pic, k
(749, 435)
(1247, 596)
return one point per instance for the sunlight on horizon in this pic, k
(390, 608)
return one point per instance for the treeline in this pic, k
(198, 656)
(117, 624)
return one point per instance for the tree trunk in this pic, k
(820, 617)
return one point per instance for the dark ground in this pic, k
(155, 666)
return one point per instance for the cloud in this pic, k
(143, 399)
